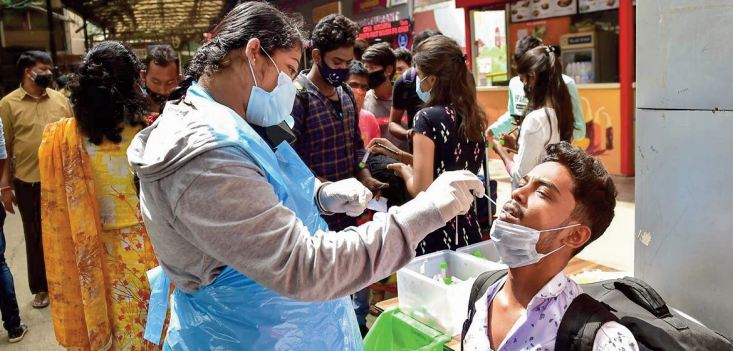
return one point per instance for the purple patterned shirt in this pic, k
(537, 328)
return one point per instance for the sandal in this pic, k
(40, 300)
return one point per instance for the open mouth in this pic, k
(510, 213)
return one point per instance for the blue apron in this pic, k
(235, 312)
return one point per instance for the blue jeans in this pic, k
(361, 305)
(8, 302)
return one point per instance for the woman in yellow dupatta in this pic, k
(98, 251)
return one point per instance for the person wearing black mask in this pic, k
(380, 61)
(326, 124)
(161, 76)
(25, 113)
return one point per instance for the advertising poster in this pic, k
(363, 6)
(586, 6)
(490, 39)
(528, 10)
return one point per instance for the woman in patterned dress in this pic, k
(447, 135)
(97, 250)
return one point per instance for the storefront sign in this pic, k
(527, 10)
(387, 17)
(426, 5)
(362, 6)
(325, 10)
(597, 5)
(385, 29)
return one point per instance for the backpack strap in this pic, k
(350, 93)
(582, 320)
(645, 296)
(301, 93)
(480, 285)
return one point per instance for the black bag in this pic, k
(628, 301)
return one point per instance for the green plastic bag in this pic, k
(396, 331)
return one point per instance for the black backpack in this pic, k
(628, 301)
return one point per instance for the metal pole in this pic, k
(51, 36)
(86, 35)
(626, 73)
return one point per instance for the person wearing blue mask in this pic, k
(326, 113)
(448, 135)
(234, 215)
(326, 116)
(561, 206)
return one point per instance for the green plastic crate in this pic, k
(396, 331)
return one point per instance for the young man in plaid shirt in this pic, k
(326, 120)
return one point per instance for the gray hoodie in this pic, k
(207, 205)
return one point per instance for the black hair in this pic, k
(403, 55)
(380, 54)
(525, 44)
(593, 189)
(557, 50)
(357, 69)
(333, 32)
(161, 55)
(63, 80)
(106, 93)
(360, 45)
(442, 58)
(29, 59)
(424, 35)
(548, 84)
(252, 19)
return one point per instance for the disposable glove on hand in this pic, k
(345, 196)
(453, 193)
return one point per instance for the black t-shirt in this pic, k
(404, 96)
(337, 106)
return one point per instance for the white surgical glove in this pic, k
(453, 193)
(345, 196)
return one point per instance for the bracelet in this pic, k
(5, 188)
(318, 200)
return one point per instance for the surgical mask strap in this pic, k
(559, 228)
(252, 69)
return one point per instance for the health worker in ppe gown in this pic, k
(235, 216)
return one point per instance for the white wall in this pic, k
(684, 171)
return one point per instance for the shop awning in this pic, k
(149, 20)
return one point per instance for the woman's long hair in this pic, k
(548, 85)
(106, 93)
(249, 20)
(442, 58)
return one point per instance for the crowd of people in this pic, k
(243, 179)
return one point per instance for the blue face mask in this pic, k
(269, 108)
(423, 95)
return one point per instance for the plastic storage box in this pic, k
(484, 249)
(438, 305)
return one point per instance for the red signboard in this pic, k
(362, 6)
(385, 29)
